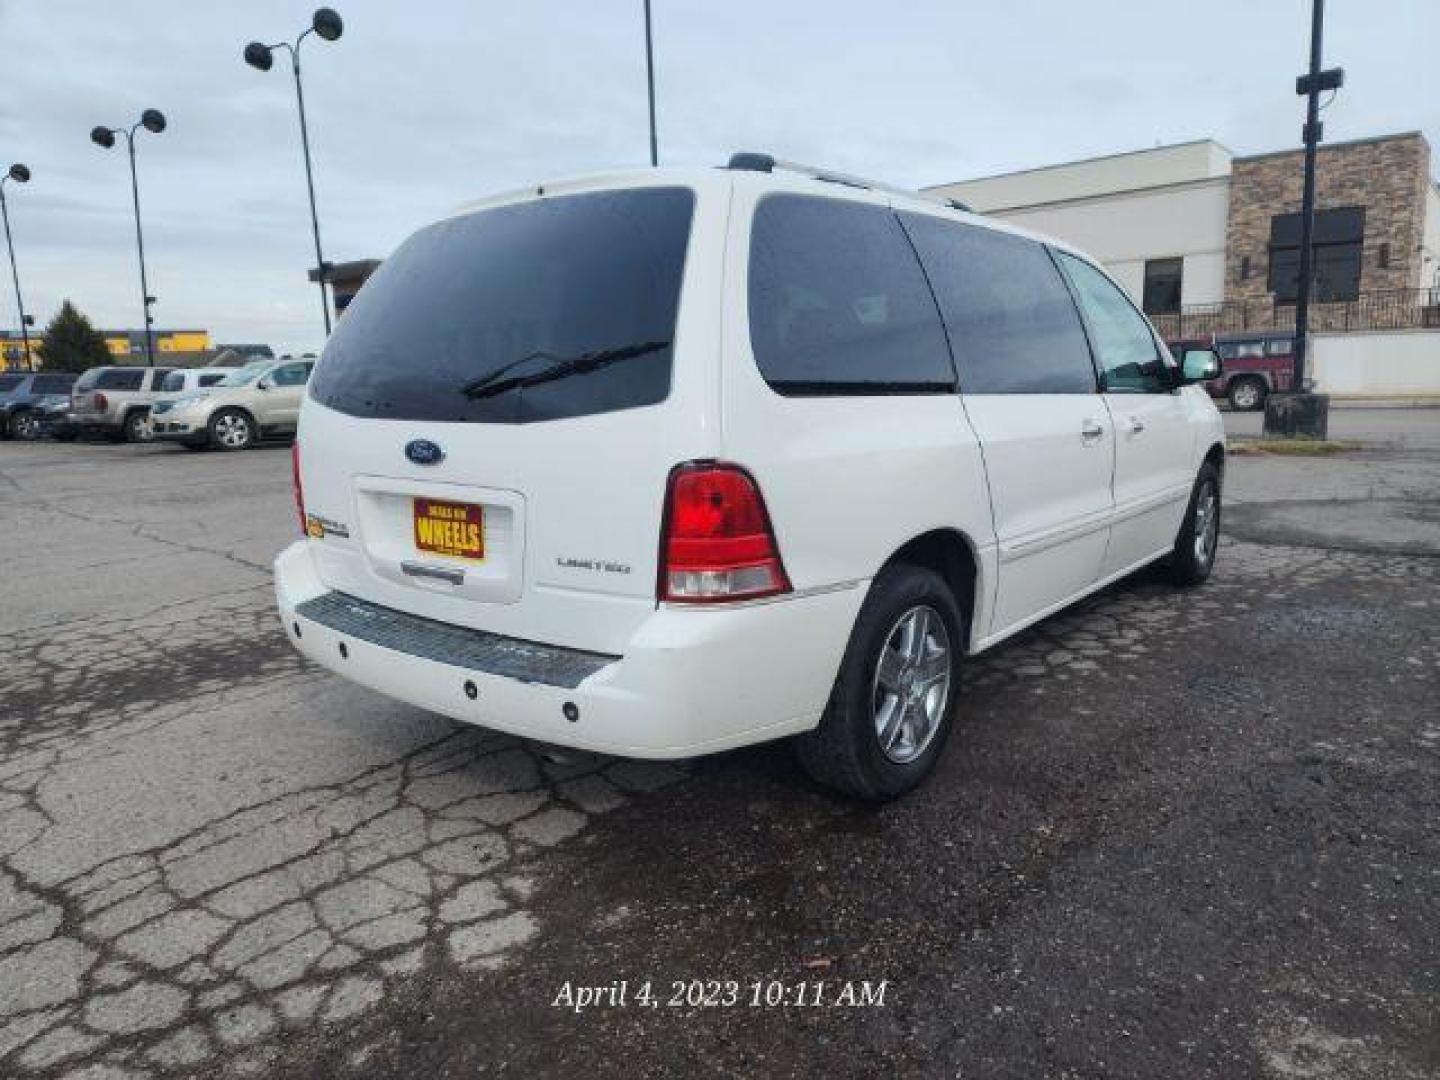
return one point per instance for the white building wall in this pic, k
(1393, 363)
(1125, 229)
(1158, 167)
(1430, 255)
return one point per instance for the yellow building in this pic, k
(172, 347)
(131, 343)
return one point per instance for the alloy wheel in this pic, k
(232, 431)
(1207, 524)
(912, 684)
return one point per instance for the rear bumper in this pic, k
(690, 682)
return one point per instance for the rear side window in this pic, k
(1013, 325)
(555, 308)
(839, 304)
(120, 379)
(10, 382)
(174, 381)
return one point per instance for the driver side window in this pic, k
(290, 375)
(1125, 349)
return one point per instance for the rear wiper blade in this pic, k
(497, 382)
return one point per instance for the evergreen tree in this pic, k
(71, 343)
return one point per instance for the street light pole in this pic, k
(1302, 412)
(21, 175)
(310, 187)
(152, 120)
(140, 248)
(650, 85)
(1307, 202)
(327, 24)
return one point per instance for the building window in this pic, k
(1245, 268)
(1162, 285)
(1338, 239)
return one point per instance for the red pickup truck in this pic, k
(1254, 365)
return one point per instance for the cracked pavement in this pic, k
(1176, 834)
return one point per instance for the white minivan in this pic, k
(671, 461)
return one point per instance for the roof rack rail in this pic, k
(748, 161)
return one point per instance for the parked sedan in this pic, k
(247, 405)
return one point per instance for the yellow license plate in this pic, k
(450, 528)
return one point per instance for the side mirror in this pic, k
(1200, 365)
(267, 382)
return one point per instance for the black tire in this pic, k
(845, 751)
(1246, 393)
(1189, 564)
(24, 425)
(137, 427)
(232, 429)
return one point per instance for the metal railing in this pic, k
(1386, 309)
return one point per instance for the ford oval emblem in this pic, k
(424, 452)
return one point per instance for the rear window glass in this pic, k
(838, 302)
(1012, 322)
(52, 384)
(555, 308)
(10, 382)
(120, 379)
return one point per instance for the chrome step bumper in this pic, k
(459, 646)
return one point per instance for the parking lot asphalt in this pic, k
(1177, 834)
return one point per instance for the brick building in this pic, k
(1373, 199)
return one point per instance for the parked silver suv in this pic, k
(247, 405)
(116, 401)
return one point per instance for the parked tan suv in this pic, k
(116, 401)
(252, 403)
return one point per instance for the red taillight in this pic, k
(299, 488)
(101, 403)
(717, 543)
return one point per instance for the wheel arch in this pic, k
(1215, 456)
(952, 555)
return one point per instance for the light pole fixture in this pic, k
(21, 175)
(325, 23)
(153, 121)
(650, 86)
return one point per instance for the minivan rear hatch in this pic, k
(491, 426)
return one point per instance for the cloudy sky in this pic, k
(425, 104)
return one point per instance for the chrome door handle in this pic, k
(1090, 430)
(1136, 425)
